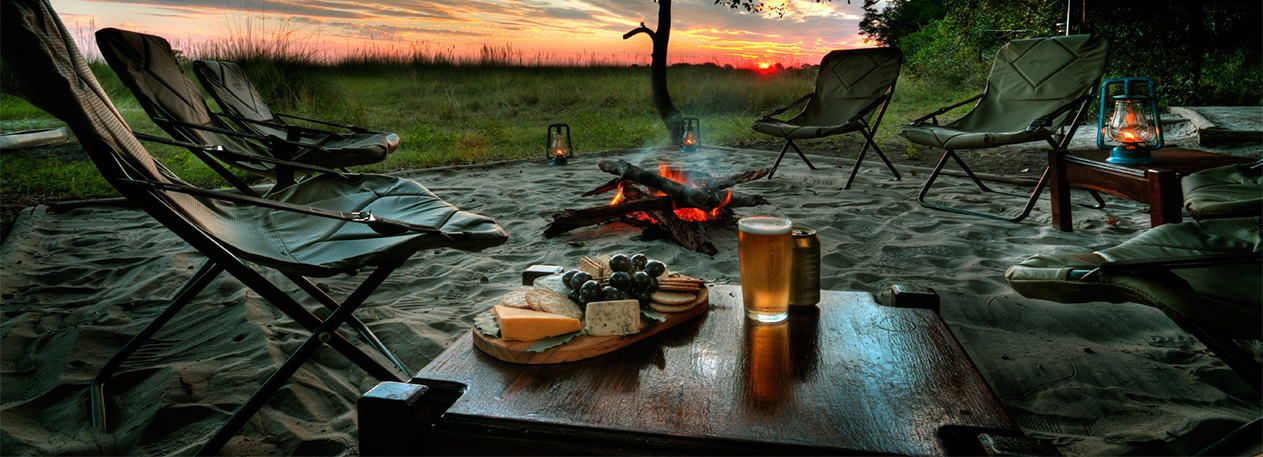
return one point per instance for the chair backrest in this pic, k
(850, 81)
(149, 68)
(228, 85)
(1032, 78)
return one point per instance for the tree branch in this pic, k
(641, 29)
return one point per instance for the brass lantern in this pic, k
(1133, 123)
(558, 149)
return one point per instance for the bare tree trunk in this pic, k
(671, 117)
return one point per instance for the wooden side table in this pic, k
(1157, 184)
(848, 376)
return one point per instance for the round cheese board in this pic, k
(585, 346)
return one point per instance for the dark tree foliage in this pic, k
(1197, 53)
(670, 115)
(899, 18)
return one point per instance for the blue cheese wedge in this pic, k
(614, 317)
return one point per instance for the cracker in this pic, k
(516, 299)
(670, 298)
(679, 287)
(659, 307)
(551, 302)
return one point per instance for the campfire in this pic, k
(668, 203)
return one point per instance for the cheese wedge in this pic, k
(530, 325)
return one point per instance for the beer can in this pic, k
(804, 288)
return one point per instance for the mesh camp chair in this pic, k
(329, 224)
(852, 85)
(241, 102)
(1036, 89)
(1207, 276)
(1229, 191)
(149, 68)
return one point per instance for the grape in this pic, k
(655, 268)
(653, 285)
(590, 291)
(578, 279)
(565, 278)
(610, 293)
(640, 281)
(620, 280)
(574, 297)
(644, 298)
(620, 262)
(638, 262)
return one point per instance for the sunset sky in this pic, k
(547, 30)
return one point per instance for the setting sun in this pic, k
(764, 66)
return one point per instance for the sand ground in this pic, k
(79, 280)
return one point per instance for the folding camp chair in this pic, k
(322, 226)
(241, 102)
(149, 68)
(1207, 276)
(1037, 88)
(851, 86)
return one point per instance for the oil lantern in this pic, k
(1133, 122)
(558, 148)
(690, 135)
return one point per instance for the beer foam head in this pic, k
(765, 225)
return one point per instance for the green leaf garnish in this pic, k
(486, 324)
(552, 342)
(649, 313)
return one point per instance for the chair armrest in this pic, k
(1047, 119)
(1174, 263)
(217, 149)
(331, 124)
(383, 226)
(917, 122)
(271, 140)
(787, 107)
(288, 127)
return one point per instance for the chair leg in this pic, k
(1026, 211)
(868, 140)
(1239, 360)
(332, 305)
(321, 334)
(96, 403)
(789, 143)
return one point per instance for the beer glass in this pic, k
(764, 249)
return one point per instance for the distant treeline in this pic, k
(1197, 53)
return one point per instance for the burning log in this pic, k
(670, 204)
(684, 195)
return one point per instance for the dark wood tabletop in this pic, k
(846, 376)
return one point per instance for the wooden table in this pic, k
(847, 376)
(1157, 184)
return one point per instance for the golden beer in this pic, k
(765, 250)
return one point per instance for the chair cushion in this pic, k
(1231, 191)
(319, 246)
(790, 131)
(950, 138)
(1228, 299)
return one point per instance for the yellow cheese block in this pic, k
(530, 325)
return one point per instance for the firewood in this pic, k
(684, 232)
(713, 184)
(570, 219)
(683, 195)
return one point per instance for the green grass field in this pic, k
(456, 113)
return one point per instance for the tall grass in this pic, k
(451, 109)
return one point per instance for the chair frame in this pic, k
(865, 129)
(1059, 142)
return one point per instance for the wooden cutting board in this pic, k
(584, 346)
